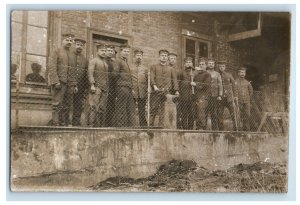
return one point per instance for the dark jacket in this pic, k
(202, 80)
(98, 73)
(228, 83)
(81, 70)
(62, 67)
(140, 80)
(216, 87)
(163, 76)
(122, 73)
(184, 82)
(35, 77)
(243, 90)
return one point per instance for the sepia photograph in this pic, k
(149, 101)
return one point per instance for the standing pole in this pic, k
(148, 99)
(192, 80)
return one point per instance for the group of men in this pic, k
(205, 93)
(115, 89)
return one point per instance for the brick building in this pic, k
(259, 40)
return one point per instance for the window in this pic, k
(29, 42)
(196, 48)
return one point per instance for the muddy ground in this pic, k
(187, 176)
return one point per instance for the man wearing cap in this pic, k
(227, 98)
(35, 75)
(140, 85)
(81, 64)
(172, 63)
(110, 107)
(216, 92)
(62, 79)
(243, 92)
(187, 96)
(161, 77)
(98, 79)
(125, 105)
(202, 91)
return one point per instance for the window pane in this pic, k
(38, 18)
(203, 49)
(36, 40)
(36, 59)
(17, 16)
(16, 36)
(190, 46)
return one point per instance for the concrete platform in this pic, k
(73, 158)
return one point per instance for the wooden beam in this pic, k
(247, 34)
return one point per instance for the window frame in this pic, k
(197, 43)
(24, 53)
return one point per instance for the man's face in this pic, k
(211, 64)
(138, 57)
(163, 57)
(101, 52)
(242, 74)
(188, 64)
(109, 52)
(222, 67)
(202, 65)
(172, 59)
(79, 46)
(125, 53)
(67, 42)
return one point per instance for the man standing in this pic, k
(140, 85)
(244, 92)
(124, 106)
(227, 98)
(172, 63)
(82, 80)
(62, 79)
(216, 89)
(161, 76)
(98, 79)
(202, 91)
(111, 63)
(187, 96)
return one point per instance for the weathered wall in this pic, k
(76, 159)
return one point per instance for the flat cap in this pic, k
(110, 46)
(68, 35)
(80, 40)
(123, 46)
(211, 59)
(242, 68)
(138, 50)
(172, 54)
(163, 51)
(202, 60)
(101, 46)
(188, 59)
(222, 62)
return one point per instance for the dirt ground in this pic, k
(187, 176)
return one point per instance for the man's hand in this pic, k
(193, 84)
(155, 88)
(57, 86)
(219, 98)
(177, 93)
(93, 89)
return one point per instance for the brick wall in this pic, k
(150, 31)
